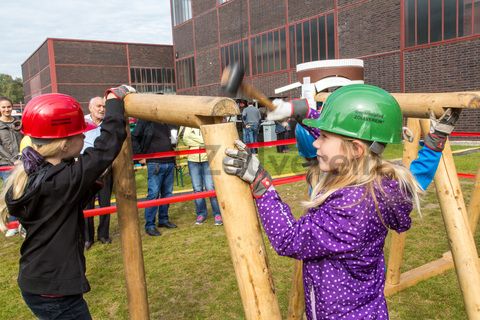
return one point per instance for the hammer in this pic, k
(232, 81)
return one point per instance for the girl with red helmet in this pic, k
(47, 192)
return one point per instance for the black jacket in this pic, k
(152, 137)
(51, 210)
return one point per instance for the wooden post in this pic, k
(474, 206)
(181, 110)
(397, 246)
(126, 195)
(459, 235)
(242, 228)
(296, 301)
(419, 105)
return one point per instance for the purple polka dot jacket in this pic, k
(341, 245)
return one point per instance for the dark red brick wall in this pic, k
(300, 9)
(183, 39)
(233, 17)
(83, 92)
(341, 3)
(45, 80)
(200, 6)
(84, 52)
(150, 56)
(211, 90)
(208, 70)
(36, 65)
(85, 69)
(369, 28)
(266, 15)
(43, 56)
(92, 74)
(267, 84)
(445, 68)
(206, 31)
(383, 71)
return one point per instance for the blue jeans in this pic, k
(250, 135)
(202, 181)
(4, 175)
(160, 185)
(62, 308)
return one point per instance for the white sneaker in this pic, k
(21, 230)
(11, 232)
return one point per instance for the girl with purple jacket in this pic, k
(357, 197)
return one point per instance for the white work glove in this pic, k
(283, 110)
(297, 108)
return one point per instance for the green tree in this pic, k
(11, 88)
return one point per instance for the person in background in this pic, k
(281, 131)
(251, 124)
(152, 137)
(47, 192)
(10, 137)
(96, 106)
(201, 176)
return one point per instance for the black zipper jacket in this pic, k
(51, 210)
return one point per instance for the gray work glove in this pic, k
(241, 163)
(120, 92)
(441, 128)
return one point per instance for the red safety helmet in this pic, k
(52, 116)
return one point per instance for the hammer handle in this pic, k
(251, 92)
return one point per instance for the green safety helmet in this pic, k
(362, 112)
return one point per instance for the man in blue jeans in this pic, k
(251, 122)
(201, 175)
(152, 137)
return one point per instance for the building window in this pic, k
(182, 11)
(312, 40)
(154, 80)
(269, 52)
(428, 21)
(185, 73)
(236, 52)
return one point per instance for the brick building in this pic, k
(84, 69)
(407, 45)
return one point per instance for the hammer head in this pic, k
(232, 78)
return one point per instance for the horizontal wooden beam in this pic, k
(191, 111)
(419, 105)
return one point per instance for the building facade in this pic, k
(407, 45)
(84, 69)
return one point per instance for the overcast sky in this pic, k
(25, 24)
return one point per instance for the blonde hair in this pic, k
(18, 178)
(368, 170)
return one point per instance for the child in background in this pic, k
(47, 192)
(358, 197)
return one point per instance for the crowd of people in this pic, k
(66, 166)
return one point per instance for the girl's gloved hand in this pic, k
(241, 163)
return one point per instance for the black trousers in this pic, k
(104, 196)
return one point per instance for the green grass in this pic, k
(190, 273)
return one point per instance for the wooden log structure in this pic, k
(241, 226)
(458, 226)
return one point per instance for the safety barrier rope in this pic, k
(191, 196)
